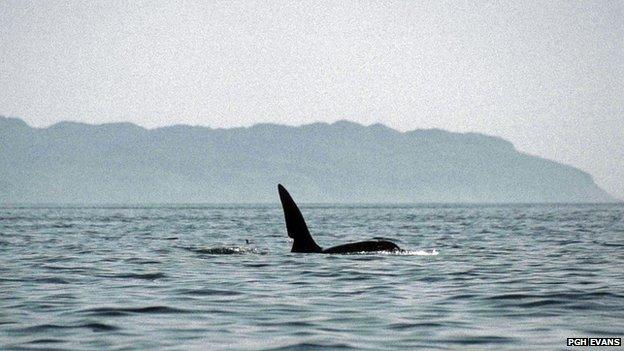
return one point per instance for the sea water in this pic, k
(222, 277)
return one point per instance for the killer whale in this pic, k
(303, 242)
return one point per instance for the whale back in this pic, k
(364, 246)
(296, 225)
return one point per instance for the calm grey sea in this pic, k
(184, 278)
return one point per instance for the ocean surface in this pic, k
(500, 277)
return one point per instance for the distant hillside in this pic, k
(339, 162)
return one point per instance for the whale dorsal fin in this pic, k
(296, 225)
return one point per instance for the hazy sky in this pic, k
(545, 75)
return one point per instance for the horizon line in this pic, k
(304, 204)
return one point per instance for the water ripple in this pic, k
(504, 277)
(125, 311)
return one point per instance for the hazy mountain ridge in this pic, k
(340, 162)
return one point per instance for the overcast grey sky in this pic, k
(545, 75)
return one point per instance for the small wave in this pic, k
(568, 296)
(482, 340)
(225, 250)
(414, 253)
(612, 244)
(209, 292)
(124, 311)
(62, 225)
(50, 280)
(541, 303)
(462, 297)
(96, 327)
(395, 253)
(312, 346)
(138, 260)
(46, 341)
(143, 276)
(407, 326)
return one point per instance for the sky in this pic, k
(546, 75)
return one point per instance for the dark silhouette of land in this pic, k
(340, 162)
(297, 229)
